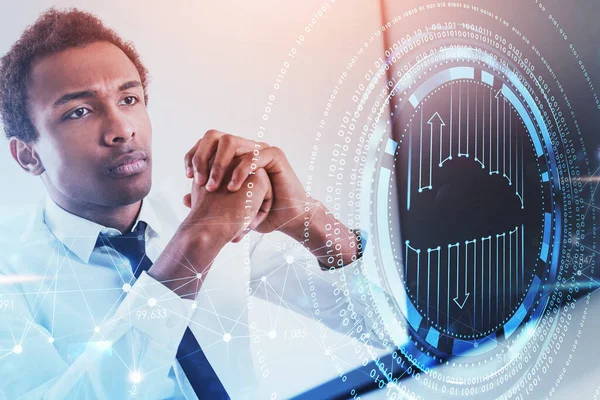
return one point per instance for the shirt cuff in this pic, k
(156, 311)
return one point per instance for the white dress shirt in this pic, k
(75, 323)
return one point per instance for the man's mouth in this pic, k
(128, 164)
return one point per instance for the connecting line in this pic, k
(497, 278)
(504, 138)
(107, 244)
(321, 344)
(421, 154)
(477, 124)
(510, 145)
(35, 303)
(428, 279)
(418, 253)
(459, 118)
(497, 134)
(474, 243)
(287, 272)
(409, 169)
(482, 275)
(468, 119)
(489, 239)
(490, 133)
(115, 304)
(80, 290)
(53, 306)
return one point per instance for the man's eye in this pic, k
(78, 113)
(129, 100)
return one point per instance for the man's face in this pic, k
(87, 104)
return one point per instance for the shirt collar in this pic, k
(79, 235)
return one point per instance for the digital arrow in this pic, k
(434, 120)
(461, 295)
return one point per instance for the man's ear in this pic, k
(26, 156)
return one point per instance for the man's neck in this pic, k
(121, 218)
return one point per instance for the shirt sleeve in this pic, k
(130, 356)
(285, 272)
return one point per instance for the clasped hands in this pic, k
(241, 185)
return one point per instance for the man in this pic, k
(103, 286)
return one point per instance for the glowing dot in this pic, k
(199, 275)
(289, 259)
(152, 302)
(530, 331)
(264, 279)
(272, 334)
(51, 339)
(17, 349)
(97, 329)
(194, 306)
(135, 377)
(126, 287)
(226, 337)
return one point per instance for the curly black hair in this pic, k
(53, 32)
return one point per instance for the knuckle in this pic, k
(212, 133)
(261, 176)
(197, 161)
(227, 139)
(277, 150)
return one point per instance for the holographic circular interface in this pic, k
(463, 158)
(474, 218)
(479, 202)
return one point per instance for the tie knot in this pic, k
(131, 245)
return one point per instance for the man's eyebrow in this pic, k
(73, 96)
(129, 85)
(92, 93)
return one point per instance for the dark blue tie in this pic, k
(198, 370)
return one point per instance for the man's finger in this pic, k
(187, 160)
(264, 209)
(261, 192)
(228, 148)
(268, 158)
(205, 150)
(187, 200)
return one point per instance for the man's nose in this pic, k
(118, 127)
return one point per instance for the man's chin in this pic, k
(127, 193)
